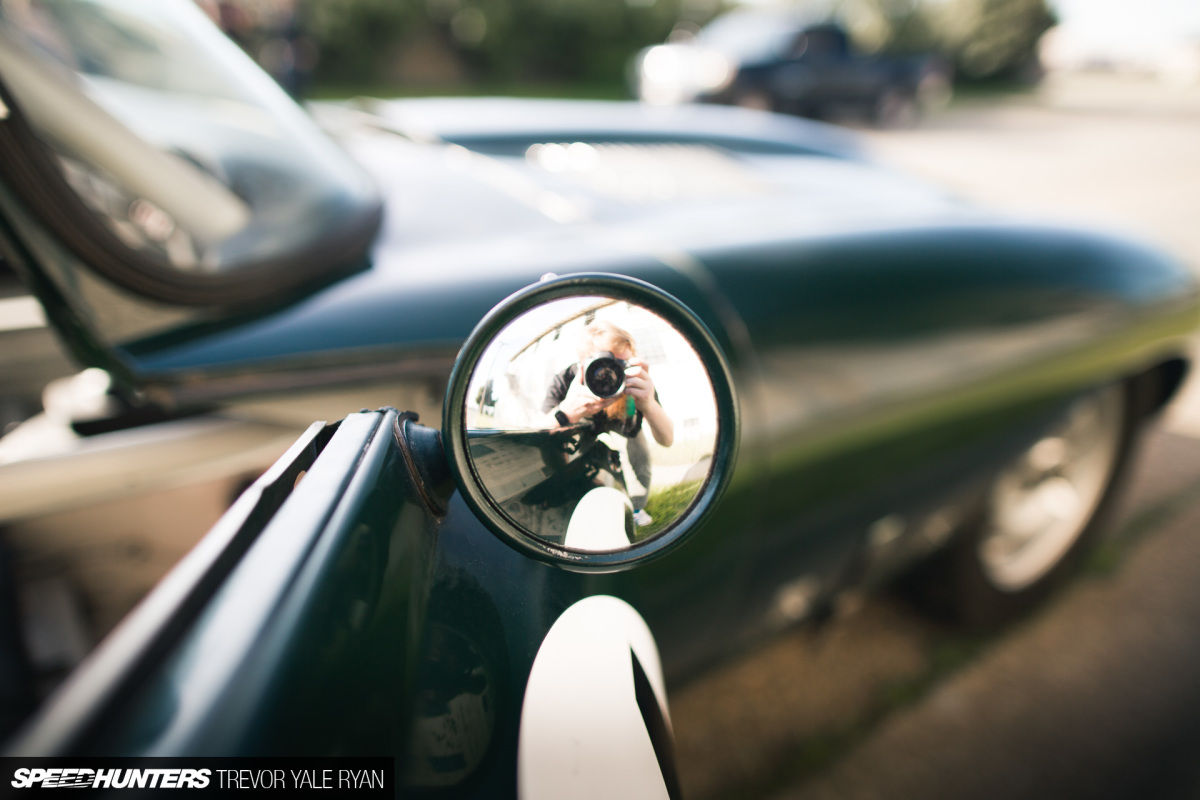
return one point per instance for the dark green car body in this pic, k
(891, 350)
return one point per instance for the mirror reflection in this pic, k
(591, 423)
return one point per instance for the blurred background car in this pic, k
(776, 61)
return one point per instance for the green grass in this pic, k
(665, 505)
(991, 89)
(1108, 556)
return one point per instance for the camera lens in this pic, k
(604, 375)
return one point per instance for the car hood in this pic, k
(499, 124)
(455, 170)
(484, 196)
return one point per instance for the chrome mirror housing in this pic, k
(591, 421)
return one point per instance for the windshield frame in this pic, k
(31, 168)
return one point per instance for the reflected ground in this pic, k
(1094, 696)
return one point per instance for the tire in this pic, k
(896, 109)
(934, 91)
(1038, 517)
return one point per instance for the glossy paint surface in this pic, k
(356, 620)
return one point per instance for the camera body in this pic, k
(604, 375)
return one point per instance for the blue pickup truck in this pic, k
(785, 63)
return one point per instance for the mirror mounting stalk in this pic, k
(426, 461)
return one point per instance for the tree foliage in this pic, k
(994, 38)
(982, 38)
(496, 40)
(354, 35)
(592, 41)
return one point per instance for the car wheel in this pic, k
(895, 109)
(1038, 516)
(934, 91)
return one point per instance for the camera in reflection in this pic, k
(604, 375)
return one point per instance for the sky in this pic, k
(1120, 24)
(1130, 28)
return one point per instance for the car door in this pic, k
(343, 608)
(297, 605)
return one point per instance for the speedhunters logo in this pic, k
(84, 778)
(150, 777)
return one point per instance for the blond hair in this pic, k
(601, 329)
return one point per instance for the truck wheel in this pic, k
(1039, 516)
(934, 91)
(896, 109)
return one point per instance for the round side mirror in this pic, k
(591, 421)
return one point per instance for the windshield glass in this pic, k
(173, 138)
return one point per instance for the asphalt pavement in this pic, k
(1094, 696)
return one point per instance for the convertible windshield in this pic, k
(174, 139)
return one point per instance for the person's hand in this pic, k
(638, 383)
(580, 403)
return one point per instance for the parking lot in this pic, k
(1095, 696)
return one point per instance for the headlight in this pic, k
(661, 75)
(672, 73)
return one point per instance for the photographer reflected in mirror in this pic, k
(564, 402)
(612, 387)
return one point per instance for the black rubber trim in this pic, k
(656, 725)
(399, 432)
(27, 166)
